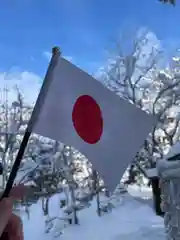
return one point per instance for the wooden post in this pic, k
(152, 175)
(156, 195)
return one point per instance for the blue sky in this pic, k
(83, 29)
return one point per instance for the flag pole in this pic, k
(39, 102)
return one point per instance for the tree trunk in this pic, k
(157, 196)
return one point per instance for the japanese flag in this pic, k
(79, 111)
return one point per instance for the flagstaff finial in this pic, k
(55, 50)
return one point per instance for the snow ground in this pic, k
(130, 220)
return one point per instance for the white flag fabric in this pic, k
(79, 111)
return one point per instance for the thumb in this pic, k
(5, 213)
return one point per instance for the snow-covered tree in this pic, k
(137, 76)
(173, 2)
(13, 121)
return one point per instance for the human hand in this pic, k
(10, 224)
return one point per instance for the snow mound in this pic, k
(131, 220)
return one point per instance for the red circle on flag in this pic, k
(87, 119)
